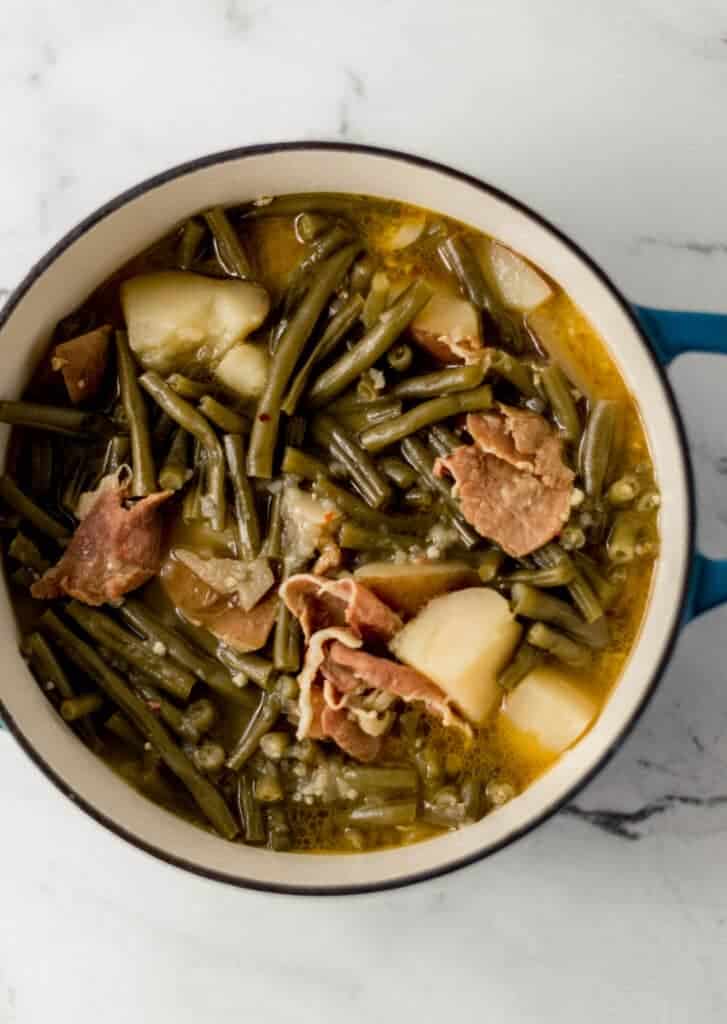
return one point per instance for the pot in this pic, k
(641, 341)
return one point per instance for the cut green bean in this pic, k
(189, 242)
(222, 416)
(187, 388)
(572, 537)
(372, 346)
(48, 670)
(324, 282)
(606, 588)
(336, 330)
(209, 757)
(489, 565)
(449, 381)
(56, 419)
(558, 575)
(385, 815)
(27, 509)
(259, 669)
(246, 517)
(595, 450)
(624, 490)
(286, 639)
(378, 411)
(164, 427)
(175, 679)
(376, 300)
(175, 471)
(25, 551)
(121, 727)
(251, 815)
(459, 259)
(228, 247)
(261, 723)
(278, 829)
(359, 465)
(558, 645)
(206, 796)
(525, 659)
(624, 537)
(74, 708)
(304, 202)
(118, 453)
(359, 510)
(418, 498)
(400, 357)
(298, 463)
(361, 538)
(400, 474)
(142, 461)
(552, 557)
(423, 415)
(213, 502)
(561, 401)
(273, 543)
(41, 464)
(309, 226)
(535, 604)
(422, 462)
(514, 371)
(371, 781)
(442, 440)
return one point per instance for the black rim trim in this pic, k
(226, 156)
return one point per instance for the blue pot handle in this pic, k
(671, 333)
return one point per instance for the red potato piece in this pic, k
(319, 603)
(82, 361)
(114, 550)
(449, 329)
(198, 602)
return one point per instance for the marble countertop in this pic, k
(609, 118)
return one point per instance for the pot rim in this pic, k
(225, 156)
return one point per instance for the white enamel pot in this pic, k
(135, 219)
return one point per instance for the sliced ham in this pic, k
(349, 736)
(82, 361)
(512, 483)
(319, 603)
(114, 549)
(197, 601)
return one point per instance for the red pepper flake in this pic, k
(264, 417)
(154, 705)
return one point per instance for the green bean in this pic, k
(572, 537)
(23, 577)
(514, 371)
(372, 346)
(249, 810)
(175, 473)
(268, 788)
(624, 537)
(273, 544)
(48, 670)
(25, 551)
(278, 829)
(443, 815)
(384, 434)
(121, 727)
(366, 389)
(27, 509)
(378, 411)
(397, 471)
(384, 815)
(361, 538)
(557, 575)
(189, 242)
(449, 381)
(596, 444)
(209, 757)
(298, 463)
(309, 226)
(525, 659)
(199, 717)
(56, 419)
(222, 416)
(228, 247)
(418, 498)
(359, 510)
(559, 645)
(142, 461)
(337, 328)
(259, 669)
(169, 713)
(606, 589)
(246, 517)
(286, 639)
(552, 557)
(41, 464)
(74, 708)
(325, 280)
(400, 357)
(362, 272)
(206, 796)
(213, 503)
(535, 604)
(136, 614)
(187, 388)
(262, 722)
(161, 434)
(442, 440)
(624, 490)
(170, 677)
(304, 202)
(370, 781)
(459, 259)
(376, 300)
(489, 564)
(422, 462)
(561, 401)
(117, 453)
(360, 466)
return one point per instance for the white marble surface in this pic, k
(610, 119)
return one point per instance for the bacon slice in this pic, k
(114, 549)
(319, 603)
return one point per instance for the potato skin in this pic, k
(407, 588)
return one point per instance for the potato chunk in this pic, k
(449, 328)
(550, 709)
(182, 321)
(461, 641)
(407, 588)
(243, 370)
(519, 285)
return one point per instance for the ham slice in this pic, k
(114, 549)
(319, 603)
(82, 361)
(512, 483)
